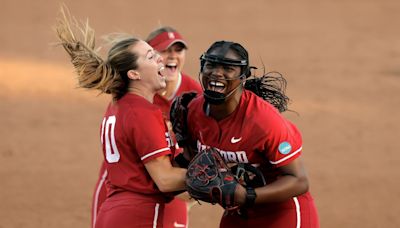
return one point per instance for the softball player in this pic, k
(172, 47)
(135, 139)
(247, 129)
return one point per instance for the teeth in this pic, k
(216, 84)
(160, 70)
(171, 64)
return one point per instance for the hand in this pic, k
(240, 195)
(209, 179)
(178, 116)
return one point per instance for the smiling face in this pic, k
(221, 78)
(174, 59)
(150, 65)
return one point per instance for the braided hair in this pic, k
(270, 87)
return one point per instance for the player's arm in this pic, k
(292, 182)
(166, 177)
(285, 148)
(178, 115)
(183, 158)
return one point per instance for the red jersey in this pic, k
(186, 84)
(133, 132)
(175, 211)
(254, 133)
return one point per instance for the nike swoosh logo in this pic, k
(178, 225)
(233, 140)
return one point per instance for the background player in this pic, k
(170, 44)
(247, 129)
(134, 135)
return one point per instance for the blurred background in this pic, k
(341, 60)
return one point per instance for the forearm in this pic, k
(172, 180)
(282, 189)
(165, 176)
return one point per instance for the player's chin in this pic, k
(171, 77)
(162, 83)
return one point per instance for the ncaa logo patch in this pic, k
(284, 148)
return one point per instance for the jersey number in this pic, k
(108, 139)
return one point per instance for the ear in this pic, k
(243, 78)
(133, 74)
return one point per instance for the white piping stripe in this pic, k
(96, 197)
(177, 86)
(187, 215)
(153, 153)
(155, 215)
(298, 216)
(287, 157)
(102, 130)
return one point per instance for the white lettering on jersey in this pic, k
(168, 139)
(229, 156)
(112, 153)
(242, 157)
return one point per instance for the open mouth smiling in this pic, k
(172, 67)
(216, 86)
(160, 70)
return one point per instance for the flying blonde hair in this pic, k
(108, 76)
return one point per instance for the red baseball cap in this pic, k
(165, 40)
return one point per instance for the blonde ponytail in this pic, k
(108, 76)
(93, 72)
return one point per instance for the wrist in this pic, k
(240, 195)
(250, 197)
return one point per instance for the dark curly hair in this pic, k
(270, 87)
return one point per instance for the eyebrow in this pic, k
(149, 51)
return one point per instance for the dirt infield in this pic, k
(341, 60)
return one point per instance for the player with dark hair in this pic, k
(135, 139)
(246, 127)
(170, 44)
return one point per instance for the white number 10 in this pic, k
(108, 139)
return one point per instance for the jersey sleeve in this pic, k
(151, 138)
(284, 144)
